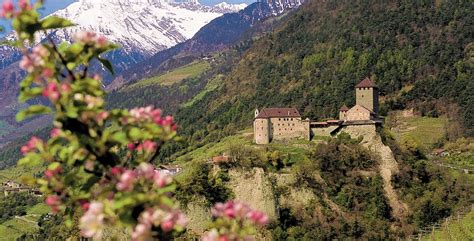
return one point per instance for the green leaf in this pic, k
(75, 49)
(29, 93)
(31, 160)
(135, 133)
(120, 137)
(53, 166)
(107, 65)
(89, 183)
(55, 22)
(32, 110)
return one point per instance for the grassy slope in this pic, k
(462, 229)
(15, 173)
(212, 85)
(298, 149)
(191, 70)
(424, 131)
(15, 227)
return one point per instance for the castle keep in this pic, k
(286, 123)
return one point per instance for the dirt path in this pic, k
(387, 167)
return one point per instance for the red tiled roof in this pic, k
(344, 108)
(279, 112)
(366, 83)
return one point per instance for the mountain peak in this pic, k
(145, 26)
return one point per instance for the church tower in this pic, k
(367, 95)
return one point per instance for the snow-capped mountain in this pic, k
(230, 7)
(279, 6)
(145, 26)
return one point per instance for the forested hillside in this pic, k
(418, 52)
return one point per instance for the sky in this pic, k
(53, 5)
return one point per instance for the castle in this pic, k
(286, 123)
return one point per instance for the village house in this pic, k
(286, 123)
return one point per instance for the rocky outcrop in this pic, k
(255, 189)
(387, 164)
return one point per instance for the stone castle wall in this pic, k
(288, 128)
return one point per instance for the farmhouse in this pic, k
(286, 123)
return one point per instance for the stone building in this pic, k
(367, 103)
(286, 123)
(279, 124)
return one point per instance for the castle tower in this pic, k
(343, 112)
(261, 130)
(367, 95)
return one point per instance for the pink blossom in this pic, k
(55, 132)
(102, 116)
(7, 9)
(127, 179)
(85, 205)
(149, 146)
(95, 208)
(27, 64)
(258, 217)
(131, 146)
(91, 38)
(141, 232)
(48, 73)
(212, 235)
(48, 174)
(167, 225)
(161, 180)
(33, 144)
(101, 41)
(51, 91)
(147, 170)
(51, 173)
(173, 219)
(24, 150)
(24, 4)
(92, 101)
(237, 210)
(66, 88)
(40, 52)
(92, 222)
(54, 202)
(116, 171)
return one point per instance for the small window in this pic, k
(279, 119)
